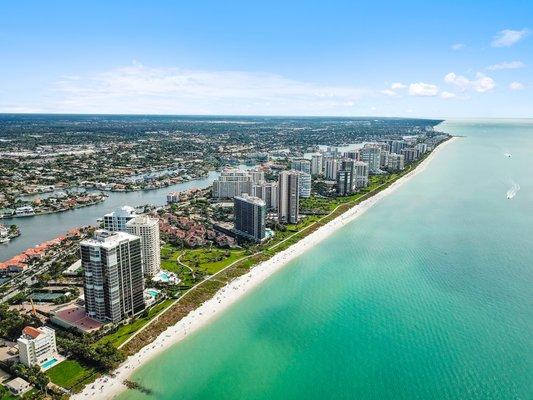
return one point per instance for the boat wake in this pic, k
(513, 191)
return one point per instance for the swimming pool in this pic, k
(164, 277)
(49, 363)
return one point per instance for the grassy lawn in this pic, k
(169, 255)
(70, 374)
(124, 332)
(5, 394)
(211, 260)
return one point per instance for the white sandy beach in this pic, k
(107, 387)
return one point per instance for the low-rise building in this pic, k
(18, 386)
(37, 345)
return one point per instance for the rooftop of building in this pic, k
(124, 211)
(17, 385)
(31, 332)
(106, 239)
(74, 316)
(251, 199)
(142, 220)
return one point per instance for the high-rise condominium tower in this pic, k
(148, 230)
(250, 215)
(289, 196)
(116, 221)
(113, 276)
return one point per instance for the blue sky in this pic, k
(354, 58)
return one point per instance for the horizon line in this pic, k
(256, 116)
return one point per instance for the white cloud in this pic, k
(458, 80)
(423, 89)
(138, 88)
(508, 37)
(516, 86)
(481, 84)
(458, 46)
(447, 95)
(390, 93)
(397, 85)
(506, 65)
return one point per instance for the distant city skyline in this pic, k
(405, 59)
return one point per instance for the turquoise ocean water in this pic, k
(426, 296)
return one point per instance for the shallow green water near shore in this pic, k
(426, 296)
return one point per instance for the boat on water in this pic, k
(508, 155)
(513, 191)
(25, 211)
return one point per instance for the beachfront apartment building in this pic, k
(113, 276)
(422, 148)
(395, 162)
(268, 192)
(250, 217)
(331, 166)
(344, 179)
(147, 229)
(352, 155)
(384, 158)
(232, 182)
(371, 154)
(305, 184)
(37, 345)
(410, 154)
(396, 146)
(257, 176)
(317, 164)
(117, 220)
(301, 164)
(361, 174)
(289, 197)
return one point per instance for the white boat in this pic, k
(25, 211)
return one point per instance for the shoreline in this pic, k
(107, 387)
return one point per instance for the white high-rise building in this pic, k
(331, 167)
(384, 158)
(422, 148)
(116, 221)
(410, 154)
(289, 197)
(113, 276)
(148, 230)
(268, 192)
(361, 174)
(395, 162)
(397, 146)
(257, 176)
(232, 182)
(37, 345)
(301, 164)
(305, 184)
(317, 167)
(353, 155)
(371, 154)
